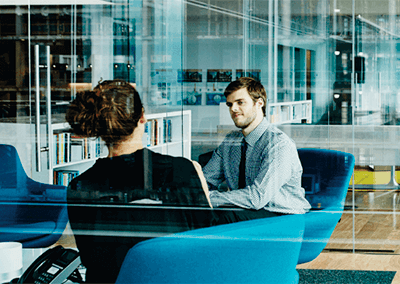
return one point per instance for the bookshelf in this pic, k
(169, 133)
(165, 133)
(70, 155)
(290, 112)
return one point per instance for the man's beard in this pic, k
(246, 123)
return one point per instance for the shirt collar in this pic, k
(253, 136)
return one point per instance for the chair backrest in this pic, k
(38, 222)
(11, 170)
(105, 231)
(204, 158)
(326, 176)
(16, 185)
(256, 251)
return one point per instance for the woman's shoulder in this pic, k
(178, 169)
(93, 175)
(166, 159)
(97, 174)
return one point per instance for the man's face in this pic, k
(244, 111)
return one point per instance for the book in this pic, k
(147, 134)
(77, 147)
(61, 146)
(55, 149)
(167, 130)
(67, 147)
(76, 152)
(64, 177)
(156, 132)
(160, 132)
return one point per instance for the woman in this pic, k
(130, 174)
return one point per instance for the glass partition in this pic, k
(330, 69)
(330, 73)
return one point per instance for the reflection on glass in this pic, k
(331, 75)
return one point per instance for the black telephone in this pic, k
(54, 266)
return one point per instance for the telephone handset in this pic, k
(53, 266)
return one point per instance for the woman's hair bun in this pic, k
(83, 113)
(111, 111)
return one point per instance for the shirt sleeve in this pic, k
(274, 172)
(213, 171)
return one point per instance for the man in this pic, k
(270, 182)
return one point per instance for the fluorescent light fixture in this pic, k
(52, 2)
(337, 10)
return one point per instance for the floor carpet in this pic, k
(322, 276)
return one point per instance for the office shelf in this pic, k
(290, 112)
(169, 133)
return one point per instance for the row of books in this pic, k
(157, 131)
(63, 177)
(71, 148)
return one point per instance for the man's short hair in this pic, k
(254, 88)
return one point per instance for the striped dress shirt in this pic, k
(273, 172)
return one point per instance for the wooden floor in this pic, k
(373, 225)
(366, 238)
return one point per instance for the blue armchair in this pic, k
(326, 178)
(256, 251)
(31, 212)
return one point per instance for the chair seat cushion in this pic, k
(24, 232)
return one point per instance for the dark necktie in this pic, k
(242, 166)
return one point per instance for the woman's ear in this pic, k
(143, 118)
(260, 102)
